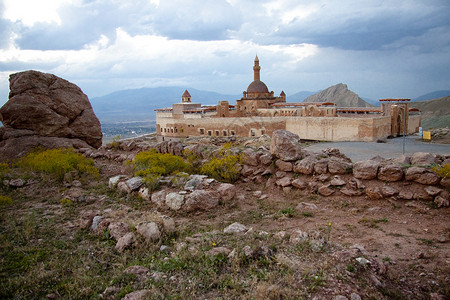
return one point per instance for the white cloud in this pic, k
(30, 12)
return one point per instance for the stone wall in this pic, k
(366, 129)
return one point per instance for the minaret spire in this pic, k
(256, 69)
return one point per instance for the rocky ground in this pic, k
(278, 234)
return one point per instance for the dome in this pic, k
(257, 86)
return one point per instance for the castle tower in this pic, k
(186, 97)
(256, 69)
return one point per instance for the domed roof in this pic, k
(257, 86)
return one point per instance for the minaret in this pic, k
(256, 69)
(186, 97)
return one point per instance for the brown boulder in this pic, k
(423, 159)
(421, 175)
(390, 172)
(284, 166)
(285, 145)
(47, 111)
(366, 169)
(321, 167)
(202, 200)
(339, 166)
(374, 193)
(306, 165)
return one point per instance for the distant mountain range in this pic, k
(140, 104)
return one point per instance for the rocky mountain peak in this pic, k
(339, 94)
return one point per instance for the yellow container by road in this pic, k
(427, 135)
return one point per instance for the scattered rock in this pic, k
(306, 206)
(423, 159)
(137, 270)
(338, 166)
(366, 169)
(227, 191)
(300, 184)
(441, 201)
(433, 191)
(174, 201)
(390, 172)
(356, 184)
(235, 228)
(149, 231)
(337, 181)
(145, 193)
(95, 221)
(16, 183)
(125, 241)
(202, 200)
(159, 198)
(168, 224)
(388, 191)
(134, 183)
(285, 145)
(406, 195)
(251, 157)
(285, 181)
(306, 165)
(266, 159)
(138, 295)
(321, 166)
(374, 193)
(325, 190)
(284, 166)
(218, 250)
(118, 230)
(298, 237)
(113, 181)
(351, 192)
(421, 175)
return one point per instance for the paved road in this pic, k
(358, 151)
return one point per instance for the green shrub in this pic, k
(5, 200)
(193, 160)
(57, 162)
(152, 163)
(115, 144)
(4, 169)
(224, 166)
(151, 181)
(443, 171)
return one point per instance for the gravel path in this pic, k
(358, 151)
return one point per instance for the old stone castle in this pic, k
(259, 112)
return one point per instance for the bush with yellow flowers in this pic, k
(224, 165)
(57, 162)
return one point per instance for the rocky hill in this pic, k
(435, 113)
(293, 225)
(339, 94)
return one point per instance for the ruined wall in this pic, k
(414, 122)
(339, 129)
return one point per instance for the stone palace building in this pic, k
(260, 112)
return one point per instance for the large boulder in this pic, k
(366, 169)
(46, 111)
(285, 145)
(202, 200)
(421, 175)
(390, 172)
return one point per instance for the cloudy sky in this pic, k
(390, 48)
